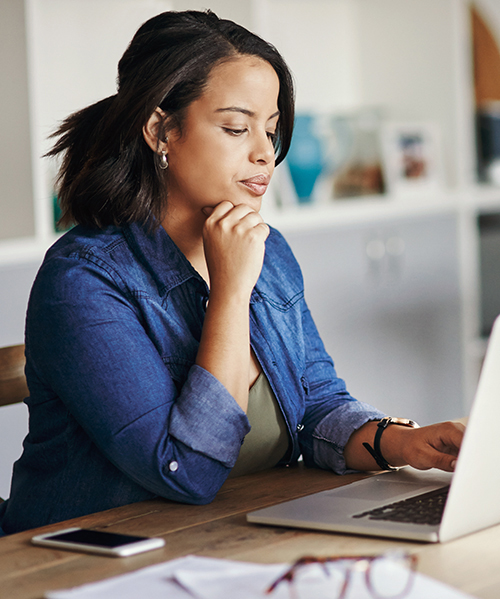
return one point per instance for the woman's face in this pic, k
(225, 150)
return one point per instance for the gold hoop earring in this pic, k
(163, 160)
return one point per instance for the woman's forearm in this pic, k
(225, 343)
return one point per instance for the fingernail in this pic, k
(453, 464)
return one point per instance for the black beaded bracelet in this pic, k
(381, 426)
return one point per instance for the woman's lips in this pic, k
(257, 184)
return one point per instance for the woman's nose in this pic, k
(263, 150)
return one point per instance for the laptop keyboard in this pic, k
(426, 508)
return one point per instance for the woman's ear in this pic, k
(152, 130)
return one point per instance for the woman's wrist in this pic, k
(231, 297)
(392, 446)
(393, 443)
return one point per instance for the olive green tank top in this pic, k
(267, 441)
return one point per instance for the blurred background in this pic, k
(390, 196)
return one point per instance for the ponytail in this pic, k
(99, 183)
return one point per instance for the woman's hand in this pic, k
(433, 446)
(234, 243)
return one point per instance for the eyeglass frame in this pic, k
(357, 560)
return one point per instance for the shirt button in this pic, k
(173, 466)
(300, 427)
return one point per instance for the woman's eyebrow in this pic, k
(245, 111)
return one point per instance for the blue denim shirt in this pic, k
(120, 412)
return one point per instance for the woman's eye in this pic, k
(272, 135)
(234, 132)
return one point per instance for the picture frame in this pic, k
(412, 162)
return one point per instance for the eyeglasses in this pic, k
(388, 576)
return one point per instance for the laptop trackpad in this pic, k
(377, 490)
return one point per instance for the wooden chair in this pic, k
(13, 419)
(13, 388)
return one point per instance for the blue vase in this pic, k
(305, 157)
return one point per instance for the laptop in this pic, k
(376, 505)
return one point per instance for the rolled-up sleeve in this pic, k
(331, 435)
(206, 418)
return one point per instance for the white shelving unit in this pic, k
(411, 58)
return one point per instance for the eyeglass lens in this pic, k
(385, 577)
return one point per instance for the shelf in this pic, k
(24, 250)
(483, 198)
(322, 213)
(339, 212)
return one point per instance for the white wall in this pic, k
(13, 429)
(16, 189)
(410, 67)
(240, 11)
(319, 41)
(15, 284)
(490, 10)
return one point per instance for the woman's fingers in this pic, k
(435, 446)
(234, 241)
(217, 212)
(228, 213)
(228, 220)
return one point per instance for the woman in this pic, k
(149, 322)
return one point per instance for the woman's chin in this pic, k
(255, 203)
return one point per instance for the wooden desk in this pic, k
(220, 530)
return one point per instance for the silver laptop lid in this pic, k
(474, 499)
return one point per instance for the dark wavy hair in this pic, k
(109, 175)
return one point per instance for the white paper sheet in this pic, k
(194, 577)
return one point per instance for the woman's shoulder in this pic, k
(81, 241)
(79, 261)
(279, 253)
(132, 258)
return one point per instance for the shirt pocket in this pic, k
(281, 302)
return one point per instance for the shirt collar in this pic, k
(160, 256)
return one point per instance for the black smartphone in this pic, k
(97, 541)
